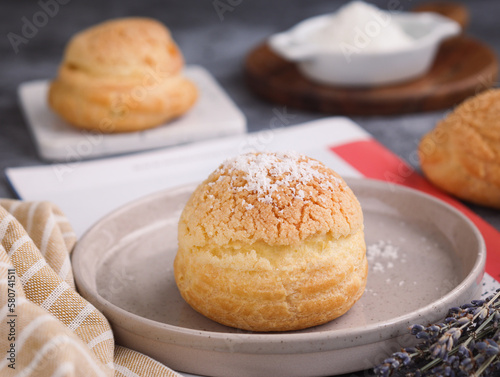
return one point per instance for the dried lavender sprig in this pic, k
(465, 344)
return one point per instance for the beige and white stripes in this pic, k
(57, 332)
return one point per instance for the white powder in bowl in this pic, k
(361, 27)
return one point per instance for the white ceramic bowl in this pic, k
(365, 68)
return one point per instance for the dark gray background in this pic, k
(205, 39)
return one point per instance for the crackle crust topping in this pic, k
(462, 154)
(275, 198)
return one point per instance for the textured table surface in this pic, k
(218, 41)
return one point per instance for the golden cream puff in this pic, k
(462, 154)
(121, 75)
(271, 242)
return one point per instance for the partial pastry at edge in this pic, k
(271, 242)
(121, 75)
(462, 154)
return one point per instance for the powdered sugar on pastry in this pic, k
(278, 198)
(271, 242)
(264, 173)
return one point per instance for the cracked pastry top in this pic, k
(271, 242)
(462, 154)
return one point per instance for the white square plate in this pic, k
(214, 115)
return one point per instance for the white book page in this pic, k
(86, 191)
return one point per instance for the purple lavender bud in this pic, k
(404, 358)
(492, 348)
(438, 371)
(490, 342)
(491, 352)
(436, 349)
(471, 310)
(448, 371)
(466, 364)
(455, 334)
(481, 313)
(496, 338)
(434, 330)
(463, 321)
(464, 352)
(481, 346)
(410, 350)
(382, 370)
(422, 335)
(452, 360)
(480, 359)
(449, 344)
(415, 329)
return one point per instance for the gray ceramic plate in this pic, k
(424, 258)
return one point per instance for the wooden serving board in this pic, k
(463, 67)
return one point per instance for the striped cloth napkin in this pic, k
(47, 328)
